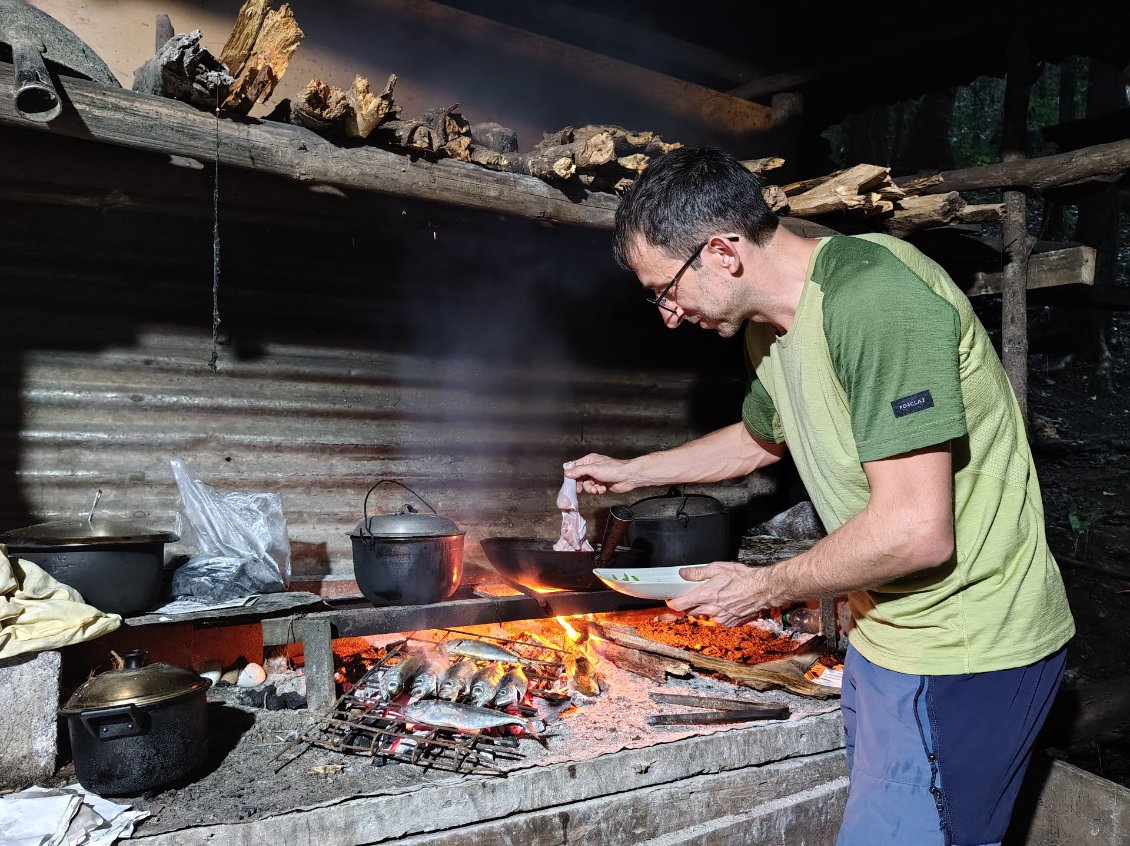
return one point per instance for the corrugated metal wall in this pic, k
(466, 357)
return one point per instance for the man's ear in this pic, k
(726, 254)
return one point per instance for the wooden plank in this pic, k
(1070, 266)
(116, 116)
(366, 619)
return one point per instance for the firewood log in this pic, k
(844, 190)
(258, 51)
(367, 110)
(920, 212)
(495, 137)
(184, 70)
(759, 166)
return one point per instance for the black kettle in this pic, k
(680, 529)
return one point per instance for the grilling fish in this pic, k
(512, 688)
(454, 715)
(457, 679)
(397, 677)
(480, 650)
(425, 682)
(484, 684)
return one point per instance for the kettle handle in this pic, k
(365, 506)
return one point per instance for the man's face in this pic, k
(694, 294)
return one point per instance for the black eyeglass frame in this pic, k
(658, 301)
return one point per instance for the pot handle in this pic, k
(136, 725)
(365, 506)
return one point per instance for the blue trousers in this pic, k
(938, 760)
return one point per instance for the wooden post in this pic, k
(1017, 242)
(316, 635)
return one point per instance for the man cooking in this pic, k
(868, 364)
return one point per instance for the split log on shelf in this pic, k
(756, 677)
(368, 110)
(495, 137)
(845, 190)
(1049, 269)
(761, 166)
(446, 124)
(649, 666)
(980, 213)
(920, 212)
(184, 70)
(258, 51)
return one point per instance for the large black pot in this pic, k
(679, 529)
(138, 728)
(406, 558)
(117, 567)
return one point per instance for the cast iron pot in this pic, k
(406, 558)
(679, 529)
(138, 728)
(117, 567)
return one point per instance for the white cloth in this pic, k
(64, 816)
(573, 525)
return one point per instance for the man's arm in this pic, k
(724, 454)
(907, 527)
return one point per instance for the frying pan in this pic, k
(533, 563)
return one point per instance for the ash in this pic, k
(258, 767)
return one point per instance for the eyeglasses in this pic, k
(661, 300)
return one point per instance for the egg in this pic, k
(251, 676)
(211, 670)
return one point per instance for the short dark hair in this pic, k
(685, 196)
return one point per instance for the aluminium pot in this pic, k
(138, 728)
(406, 558)
(678, 529)
(117, 567)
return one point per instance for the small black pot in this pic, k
(679, 529)
(117, 567)
(138, 728)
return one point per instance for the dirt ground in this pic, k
(1084, 471)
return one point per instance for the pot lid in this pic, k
(134, 684)
(674, 504)
(84, 532)
(406, 525)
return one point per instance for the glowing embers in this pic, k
(460, 702)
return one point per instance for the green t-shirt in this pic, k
(886, 356)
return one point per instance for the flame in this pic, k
(574, 635)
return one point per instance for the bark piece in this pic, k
(183, 70)
(445, 124)
(761, 166)
(321, 107)
(258, 51)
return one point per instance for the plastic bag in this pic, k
(241, 538)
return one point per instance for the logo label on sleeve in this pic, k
(912, 403)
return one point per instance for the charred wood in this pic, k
(494, 137)
(184, 70)
(653, 667)
(163, 31)
(258, 51)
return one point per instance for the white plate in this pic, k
(645, 582)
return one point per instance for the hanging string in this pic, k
(216, 244)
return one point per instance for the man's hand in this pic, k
(597, 474)
(731, 593)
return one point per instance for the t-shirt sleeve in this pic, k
(894, 344)
(759, 414)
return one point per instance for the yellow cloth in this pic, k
(37, 612)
